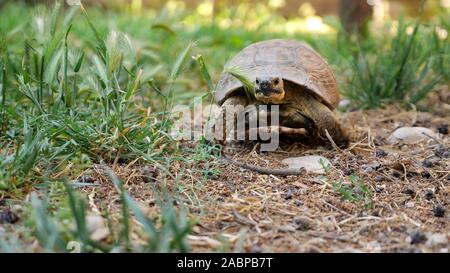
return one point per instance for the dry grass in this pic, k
(238, 210)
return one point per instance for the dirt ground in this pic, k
(240, 210)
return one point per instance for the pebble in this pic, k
(437, 239)
(287, 228)
(345, 103)
(410, 135)
(370, 167)
(429, 195)
(439, 211)
(440, 150)
(311, 163)
(426, 175)
(379, 178)
(446, 154)
(149, 173)
(379, 188)
(427, 163)
(409, 190)
(380, 153)
(348, 171)
(86, 179)
(289, 194)
(94, 222)
(8, 216)
(443, 129)
(417, 237)
(96, 227)
(100, 234)
(303, 223)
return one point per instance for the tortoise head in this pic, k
(269, 89)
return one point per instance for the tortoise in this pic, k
(292, 75)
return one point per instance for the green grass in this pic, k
(399, 70)
(81, 87)
(356, 191)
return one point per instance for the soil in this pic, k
(239, 210)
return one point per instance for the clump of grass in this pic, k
(399, 71)
(356, 191)
(58, 231)
(16, 166)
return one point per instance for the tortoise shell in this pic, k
(291, 60)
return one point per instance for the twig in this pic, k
(332, 141)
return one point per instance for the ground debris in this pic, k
(7, 216)
(305, 213)
(439, 211)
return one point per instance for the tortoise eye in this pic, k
(276, 81)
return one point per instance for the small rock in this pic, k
(86, 179)
(440, 150)
(379, 188)
(426, 174)
(255, 249)
(348, 171)
(100, 234)
(344, 103)
(8, 216)
(149, 173)
(409, 190)
(417, 237)
(379, 178)
(94, 222)
(350, 250)
(380, 153)
(437, 239)
(298, 203)
(287, 228)
(429, 195)
(382, 237)
(446, 154)
(443, 129)
(95, 225)
(303, 223)
(370, 167)
(311, 163)
(427, 163)
(410, 204)
(288, 195)
(312, 249)
(410, 135)
(439, 211)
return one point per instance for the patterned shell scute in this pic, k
(291, 60)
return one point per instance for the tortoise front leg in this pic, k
(280, 130)
(325, 119)
(225, 125)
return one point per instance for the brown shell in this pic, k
(291, 60)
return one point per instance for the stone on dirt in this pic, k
(408, 135)
(96, 227)
(311, 163)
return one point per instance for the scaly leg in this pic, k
(324, 118)
(225, 125)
